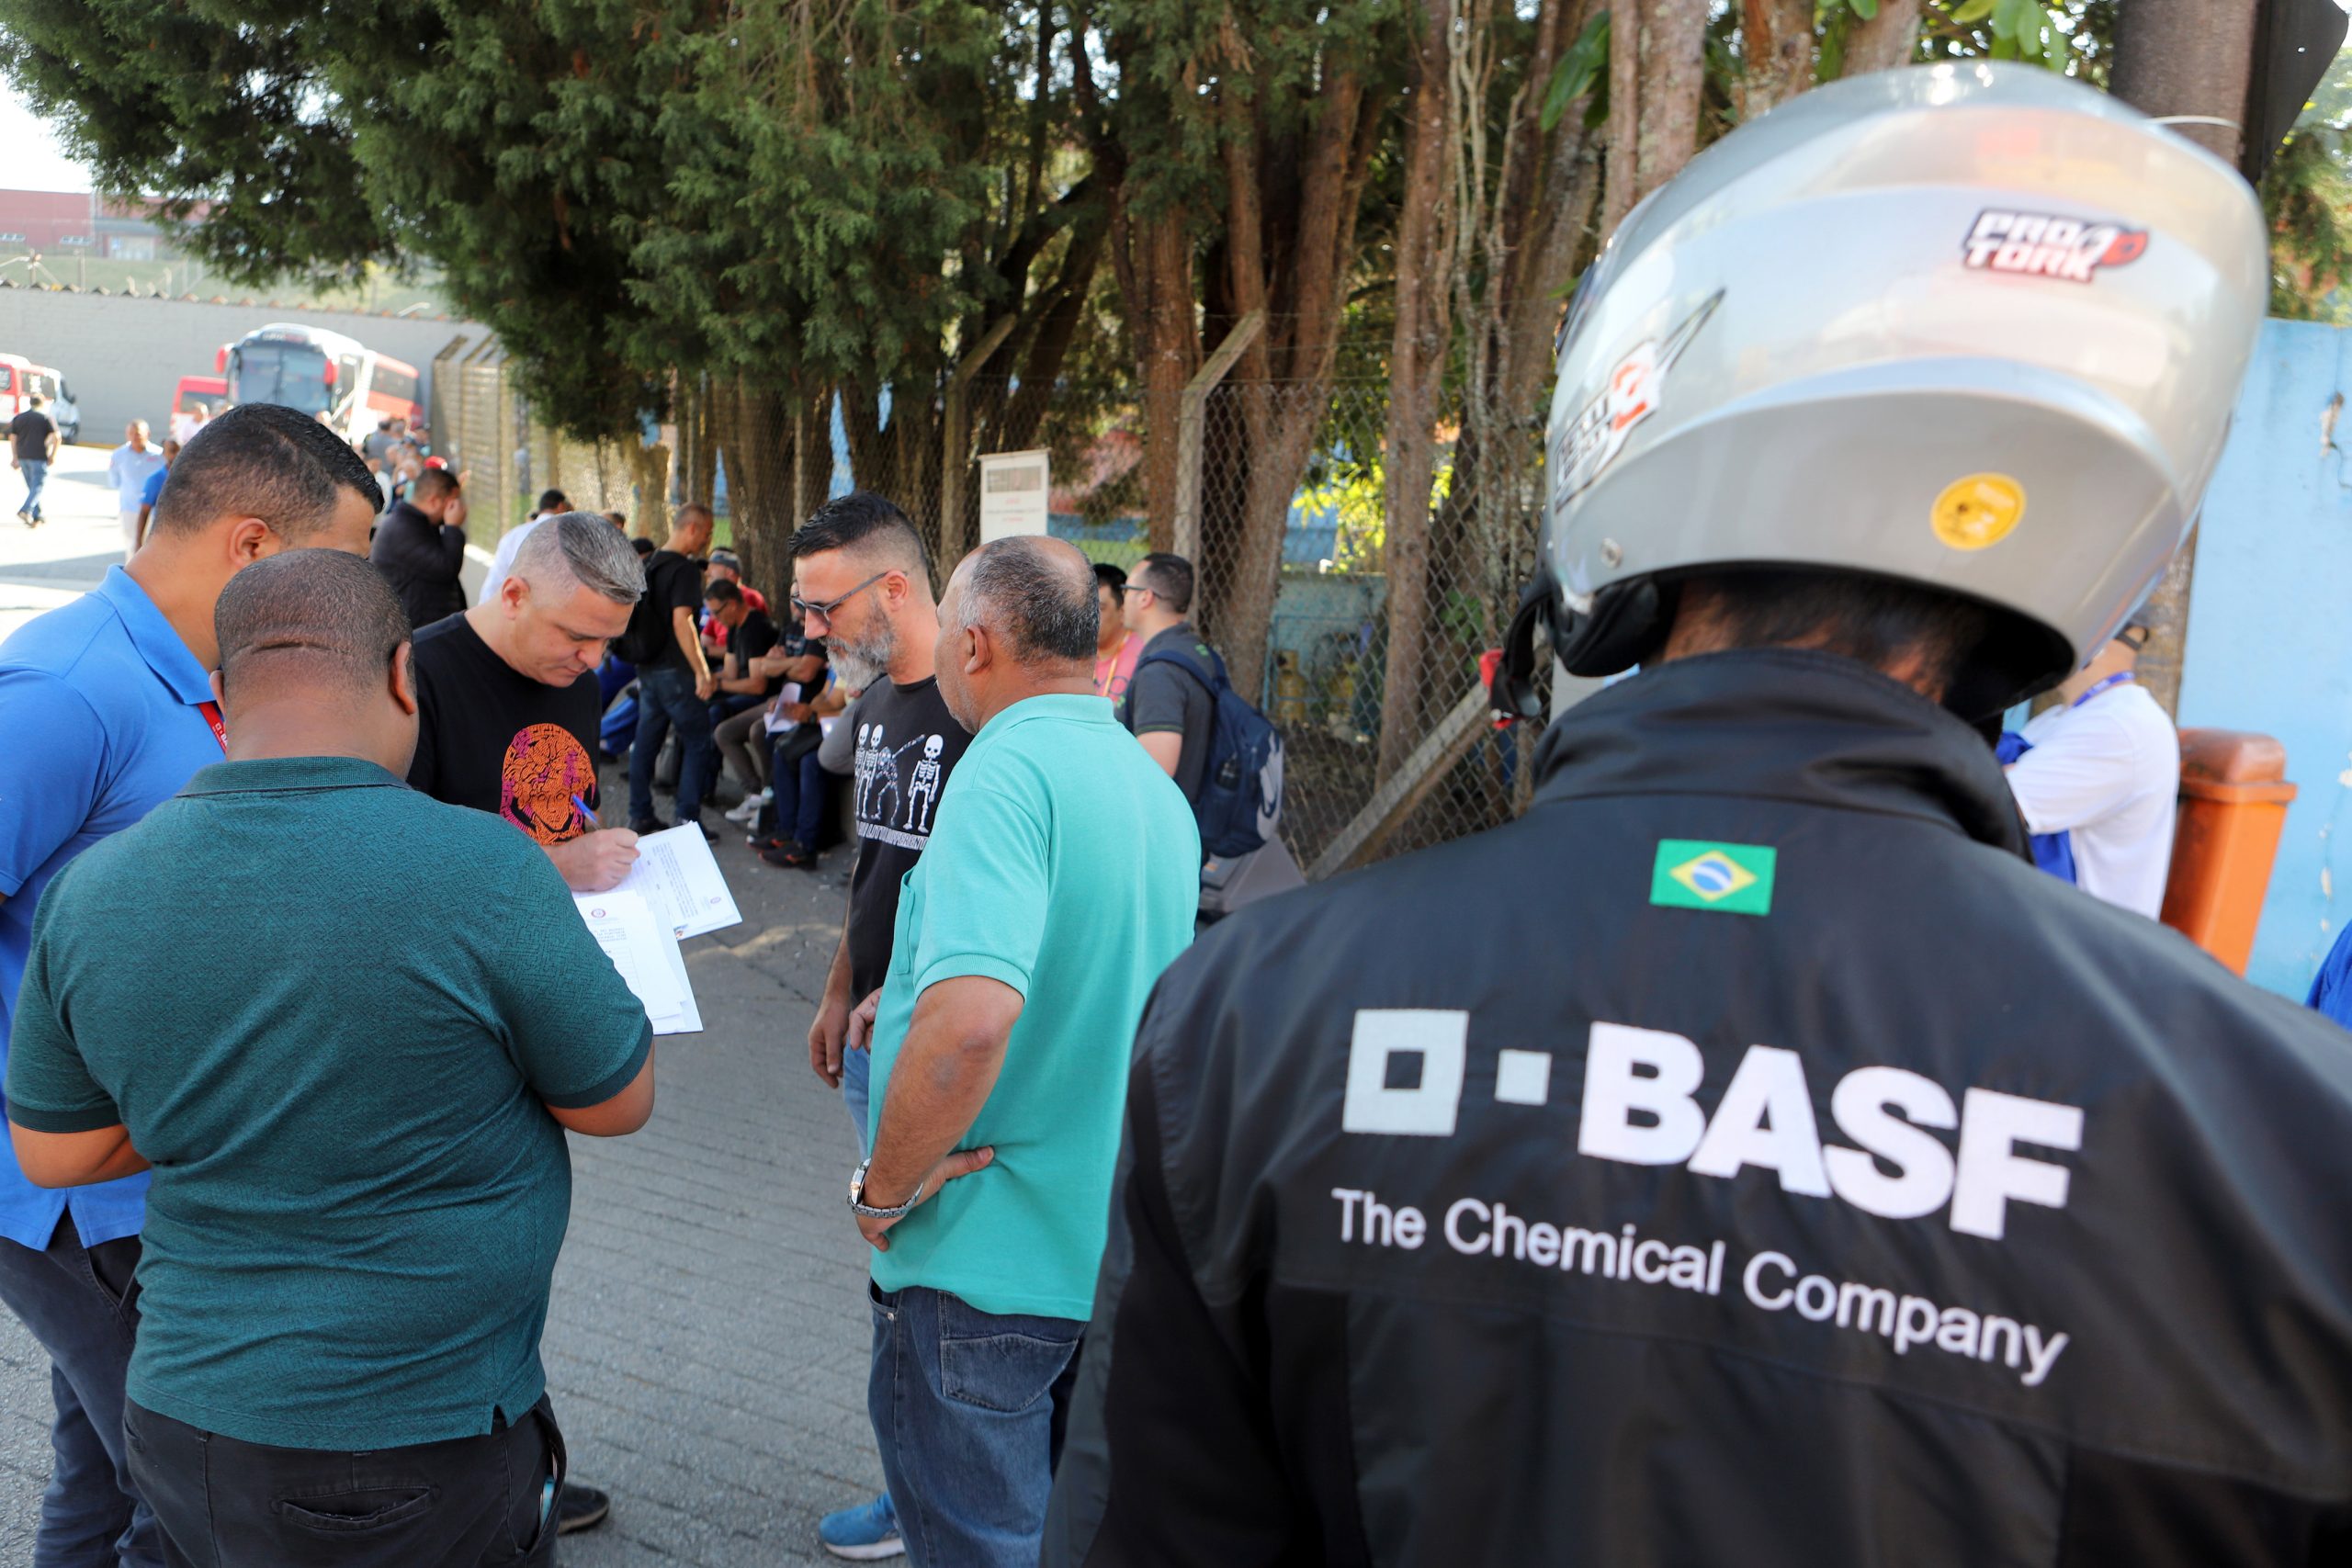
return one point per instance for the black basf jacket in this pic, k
(1745, 1158)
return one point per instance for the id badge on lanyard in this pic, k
(211, 712)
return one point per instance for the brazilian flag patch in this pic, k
(1731, 879)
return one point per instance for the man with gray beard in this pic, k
(862, 583)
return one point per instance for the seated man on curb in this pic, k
(354, 1107)
(1017, 971)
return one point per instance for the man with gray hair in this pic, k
(509, 698)
(1017, 973)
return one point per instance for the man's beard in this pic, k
(864, 660)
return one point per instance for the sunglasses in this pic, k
(825, 611)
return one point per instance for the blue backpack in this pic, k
(1241, 786)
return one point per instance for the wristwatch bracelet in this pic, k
(858, 1205)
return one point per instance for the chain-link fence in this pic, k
(1353, 616)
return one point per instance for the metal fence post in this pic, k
(1189, 419)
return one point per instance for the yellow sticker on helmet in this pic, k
(1978, 511)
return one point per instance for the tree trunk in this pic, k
(1156, 287)
(1778, 54)
(1887, 40)
(1297, 275)
(1417, 359)
(1657, 69)
(755, 437)
(2183, 57)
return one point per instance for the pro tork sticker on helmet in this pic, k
(1628, 397)
(1978, 511)
(2045, 244)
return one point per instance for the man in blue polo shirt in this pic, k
(107, 707)
(1018, 973)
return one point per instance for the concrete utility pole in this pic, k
(2184, 57)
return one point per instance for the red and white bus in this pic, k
(321, 372)
(21, 382)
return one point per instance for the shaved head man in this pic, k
(355, 1111)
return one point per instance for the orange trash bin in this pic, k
(2234, 795)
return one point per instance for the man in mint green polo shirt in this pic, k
(347, 1026)
(1019, 968)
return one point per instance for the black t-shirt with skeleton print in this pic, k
(907, 745)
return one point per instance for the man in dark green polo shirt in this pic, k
(346, 1025)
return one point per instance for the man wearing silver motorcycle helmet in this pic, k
(1748, 1158)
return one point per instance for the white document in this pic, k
(680, 882)
(646, 954)
(775, 723)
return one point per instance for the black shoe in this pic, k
(786, 853)
(578, 1507)
(642, 829)
(707, 836)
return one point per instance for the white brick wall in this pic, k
(124, 356)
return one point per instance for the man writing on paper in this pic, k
(508, 702)
(354, 1111)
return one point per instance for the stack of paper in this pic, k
(645, 951)
(680, 882)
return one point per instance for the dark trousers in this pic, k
(666, 697)
(804, 794)
(467, 1503)
(82, 1307)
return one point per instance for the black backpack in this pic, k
(1241, 786)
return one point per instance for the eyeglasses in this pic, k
(1127, 588)
(803, 607)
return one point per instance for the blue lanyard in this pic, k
(2114, 680)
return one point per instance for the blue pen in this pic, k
(584, 811)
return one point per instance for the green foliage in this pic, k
(2073, 36)
(2307, 196)
(1583, 69)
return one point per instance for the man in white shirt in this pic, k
(2103, 769)
(129, 469)
(501, 563)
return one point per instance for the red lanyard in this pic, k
(211, 712)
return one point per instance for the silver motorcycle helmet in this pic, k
(1975, 327)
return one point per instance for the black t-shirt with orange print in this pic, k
(491, 738)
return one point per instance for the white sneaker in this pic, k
(749, 812)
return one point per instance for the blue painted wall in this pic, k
(2270, 628)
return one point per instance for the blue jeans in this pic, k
(803, 796)
(857, 1072)
(966, 1407)
(83, 1309)
(666, 697)
(35, 471)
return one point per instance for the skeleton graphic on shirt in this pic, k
(883, 780)
(924, 787)
(864, 767)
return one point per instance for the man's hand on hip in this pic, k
(963, 1162)
(594, 861)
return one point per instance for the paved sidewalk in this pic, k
(707, 1339)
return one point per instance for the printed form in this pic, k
(644, 950)
(680, 882)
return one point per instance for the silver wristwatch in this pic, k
(858, 1205)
